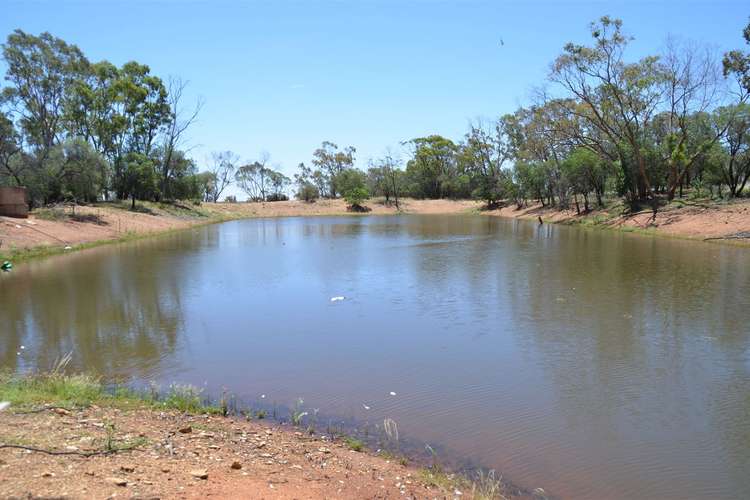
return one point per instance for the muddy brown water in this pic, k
(590, 363)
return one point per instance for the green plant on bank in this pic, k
(297, 413)
(396, 457)
(52, 214)
(483, 485)
(354, 443)
(81, 390)
(356, 196)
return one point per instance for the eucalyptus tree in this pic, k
(586, 172)
(176, 124)
(221, 174)
(307, 190)
(734, 164)
(617, 98)
(384, 177)
(692, 88)
(330, 162)
(737, 65)
(10, 151)
(93, 113)
(278, 183)
(41, 71)
(541, 136)
(254, 178)
(483, 155)
(432, 167)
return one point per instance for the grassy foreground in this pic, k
(71, 435)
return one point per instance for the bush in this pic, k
(277, 197)
(308, 192)
(355, 197)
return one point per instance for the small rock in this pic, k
(324, 450)
(165, 470)
(48, 474)
(199, 473)
(117, 481)
(236, 465)
(127, 468)
(539, 492)
(261, 444)
(186, 430)
(61, 411)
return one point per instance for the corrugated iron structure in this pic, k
(13, 202)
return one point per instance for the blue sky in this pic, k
(283, 76)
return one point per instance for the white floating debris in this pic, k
(18, 353)
(4, 405)
(262, 396)
(393, 393)
(365, 406)
(336, 299)
(68, 247)
(23, 347)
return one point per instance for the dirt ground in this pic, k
(729, 221)
(338, 207)
(179, 456)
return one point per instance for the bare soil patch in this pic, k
(181, 456)
(689, 220)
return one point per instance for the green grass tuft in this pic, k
(75, 391)
(354, 443)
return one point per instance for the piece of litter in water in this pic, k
(336, 299)
(262, 396)
(23, 347)
(393, 393)
(68, 247)
(4, 405)
(365, 406)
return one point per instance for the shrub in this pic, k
(308, 192)
(355, 197)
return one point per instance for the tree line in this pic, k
(72, 129)
(600, 125)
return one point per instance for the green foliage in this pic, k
(63, 390)
(330, 163)
(307, 192)
(184, 398)
(433, 167)
(297, 413)
(139, 179)
(354, 443)
(356, 196)
(71, 128)
(349, 180)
